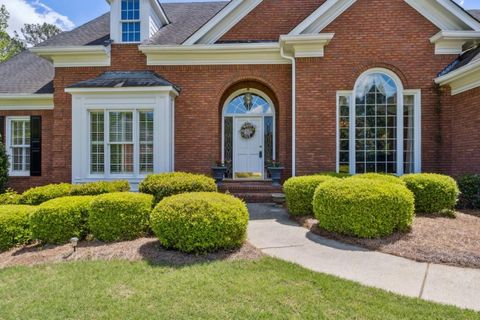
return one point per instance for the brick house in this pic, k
(318, 85)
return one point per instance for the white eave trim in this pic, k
(12, 102)
(307, 45)
(215, 54)
(453, 41)
(160, 12)
(322, 17)
(462, 79)
(76, 56)
(222, 22)
(126, 90)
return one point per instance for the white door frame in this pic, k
(273, 114)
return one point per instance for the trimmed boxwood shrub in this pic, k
(200, 222)
(434, 193)
(364, 208)
(380, 177)
(469, 186)
(38, 195)
(10, 197)
(100, 187)
(14, 225)
(169, 184)
(120, 216)
(58, 220)
(299, 193)
(335, 174)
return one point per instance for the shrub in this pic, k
(469, 186)
(299, 193)
(10, 197)
(4, 165)
(200, 222)
(169, 184)
(363, 208)
(14, 225)
(58, 220)
(434, 193)
(100, 187)
(38, 195)
(120, 216)
(335, 174)
(380, 177)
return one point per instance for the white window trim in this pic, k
(401, 92)
(161, 103)
(8, 145)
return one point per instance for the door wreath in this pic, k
(247, 131)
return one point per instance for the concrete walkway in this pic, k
(276, 235)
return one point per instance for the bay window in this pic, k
(121, 142)
(379, 126)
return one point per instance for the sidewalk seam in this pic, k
(424, 282)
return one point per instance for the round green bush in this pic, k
(120, 216)
(200, 222)
(100, 187)
(380, 177)
(434, 193)
(364, 208)
(14, 225)
(169, 184)
(58, 220)
(38, 195)
(299, 193)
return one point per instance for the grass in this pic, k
(263, 289)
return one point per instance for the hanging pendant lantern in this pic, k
(248, 101)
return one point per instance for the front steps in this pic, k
(251, 192)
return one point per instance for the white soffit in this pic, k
(222, 22)
(77, 56)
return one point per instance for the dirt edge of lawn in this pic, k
(146, 249)
(432, 239)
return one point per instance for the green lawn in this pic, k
(262, 289)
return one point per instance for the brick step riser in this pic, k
(255, 197)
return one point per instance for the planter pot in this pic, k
(219, 174)
(276, 174)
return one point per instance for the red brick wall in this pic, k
(460, 152)
(369, 34)
(198, 108)
(272, 18)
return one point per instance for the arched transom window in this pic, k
(379, 126)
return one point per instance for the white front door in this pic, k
(248, 150)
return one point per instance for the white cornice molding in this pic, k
(216, 54)
(26, 102)
(462, 79)
(222, 22)
(322, 17)
(306, 46)
(452, 41)
(75, 56)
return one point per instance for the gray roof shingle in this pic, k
(475, 13)
(466, 58)
(26, 73)
(125, 79)
(185, 18)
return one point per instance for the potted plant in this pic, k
(219, 170)
(275, 169)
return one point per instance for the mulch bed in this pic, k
(148, 249)
(432, 239)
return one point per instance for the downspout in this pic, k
(294, 108)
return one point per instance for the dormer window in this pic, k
(130, 11)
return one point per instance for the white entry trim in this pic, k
(264, 96)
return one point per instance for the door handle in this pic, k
(260, 154)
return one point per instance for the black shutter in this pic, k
(35, 146)
(2, 129)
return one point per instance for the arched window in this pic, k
(255, 108)
(379, 126)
